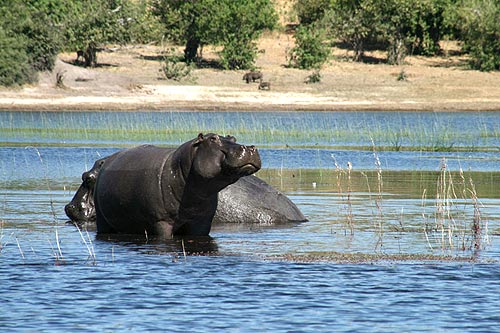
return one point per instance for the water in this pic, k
(386, 275)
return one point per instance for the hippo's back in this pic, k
(252, 200)
(128, 193)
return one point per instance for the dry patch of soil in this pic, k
(128, 78)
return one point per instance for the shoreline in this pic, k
(203, 98)
(126, 80)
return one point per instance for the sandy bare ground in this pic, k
(128, 78)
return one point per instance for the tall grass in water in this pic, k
(378, 201)
(452, 228)
(55, 246)
(415, 132)
(56, 250)
(340, 173)
(479, 227)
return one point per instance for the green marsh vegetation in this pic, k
(299, 130)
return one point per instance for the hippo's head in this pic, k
(221, 158)
(81, 208)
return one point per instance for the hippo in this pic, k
(248, 200)
(252, 200)
(163, 192)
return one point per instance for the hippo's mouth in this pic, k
(248, 169)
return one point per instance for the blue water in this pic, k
(385, 276)
(149, 293)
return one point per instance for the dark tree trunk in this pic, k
(191, 49)
(90, 55)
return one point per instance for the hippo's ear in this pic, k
(198, 140)
(231, 138)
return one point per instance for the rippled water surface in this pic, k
(385, 248)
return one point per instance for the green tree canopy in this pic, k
(29, 41)
(233, 24)
(34, 31)
(310, 51)
(402, 26)
(478, 26)
(89, 23)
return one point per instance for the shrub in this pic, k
(310, 50)
(238, 54)
(43, 42)
(314, 77)
(311, 11)
(174, 68)
(478, 24)
(15, 68)
(28, 40)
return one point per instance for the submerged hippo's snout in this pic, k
(80, 212)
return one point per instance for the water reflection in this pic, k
(185, 246)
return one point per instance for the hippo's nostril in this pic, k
(69, 208)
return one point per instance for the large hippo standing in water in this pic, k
(168, 192)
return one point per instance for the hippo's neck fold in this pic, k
(196, 212)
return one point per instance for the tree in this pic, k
(310, 50)
(233, 24)
(15, 68)
(477, 22)
(403, 26)
(354, 23)
(312, 11)
(244, 23)
(29, 42)
(87, 24)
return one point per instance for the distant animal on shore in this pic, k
(264, 85)
(252, 76)
(79, 56)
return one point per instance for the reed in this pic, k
(262, 128)
(378, 200)
(349, 204)
(479, 227)
(453, 227)
(88, 244)
(20, 249)
(340, 173)
(445, 194)
(2, 243)
(56, 251)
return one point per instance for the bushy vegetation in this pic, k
(27, 42)
(310, 50)
(478, 26)
(32, 32)
(235, 25)
(109, 21)
(404, 27)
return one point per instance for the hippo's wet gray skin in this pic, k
(81, 209)
(248, 200)
(163, 192)
(252, 200)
